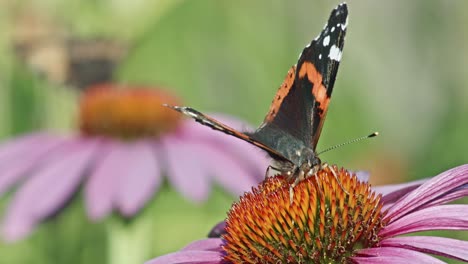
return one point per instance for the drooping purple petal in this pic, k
(442, 217)
(458, 193)
(19, 145)
(19, 230)
(209, 244)
(188, 156)
(15, 166)
(102, 185)
(140, 179)
(225, 170)
(189, 257)
(391, 193)
(250, 156)
(388, 189)
(446, 247)
(48, 189)
(440, 185)
(184, 170)
(393, 255)
(254, 160)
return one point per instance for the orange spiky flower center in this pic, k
(126, 113)
(323, 224)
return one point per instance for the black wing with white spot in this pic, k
(326, 49)
(300, 105)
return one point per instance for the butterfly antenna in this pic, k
(349, 142)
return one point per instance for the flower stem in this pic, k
(129, 242)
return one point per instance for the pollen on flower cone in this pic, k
(325, 222)
(126, 112)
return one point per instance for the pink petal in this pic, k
(248, 155)
(15, 167)
(48, 189)
(447, 247)
(211, 161)
(442, 217)
(393, 255)
(102, 182)
(391, 193)
(387, 189)
(19, 145)
(226, 170)
(15, 232)
(187, 257)
(452, 196)
(184, 169)
(140, 179)
(209, 244)
(440, 185)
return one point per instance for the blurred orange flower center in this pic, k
(126, 113)
(323, 224)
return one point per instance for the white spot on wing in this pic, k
(333, 29)
(335, 53)
(326, 41)
(320, 56)
(189, 113)
(345, 24)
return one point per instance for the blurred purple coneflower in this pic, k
(324, 224)
(126, 142)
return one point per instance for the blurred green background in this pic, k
(403, 73)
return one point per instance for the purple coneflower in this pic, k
(325, 224)
(127, 142)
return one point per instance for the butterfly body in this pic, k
(296, 155)
(292, 126)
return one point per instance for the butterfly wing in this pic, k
(298, 110)
(301, 103)
(216, 125)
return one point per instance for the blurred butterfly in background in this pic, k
(53, 52)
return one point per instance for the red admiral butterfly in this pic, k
(292, 127)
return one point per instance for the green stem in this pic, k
(129, 243)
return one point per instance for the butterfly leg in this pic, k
(267, 173)
(301, 176)
(324, 166)
(291, 190)
(291, 194)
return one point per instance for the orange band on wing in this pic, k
(318, 89)
(281, 94)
